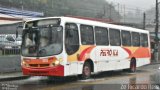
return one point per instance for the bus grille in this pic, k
(33, 65)
(38, 65)
(44, 65)
(39, 72)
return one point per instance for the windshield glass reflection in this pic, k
(45, 41)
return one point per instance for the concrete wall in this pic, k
(10, 63)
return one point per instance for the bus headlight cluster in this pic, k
(23, 63)
(55, 63)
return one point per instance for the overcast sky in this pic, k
(142, 4)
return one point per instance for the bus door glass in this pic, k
(72, 46)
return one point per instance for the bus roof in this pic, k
(94, 23)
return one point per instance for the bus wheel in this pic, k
(133, 66)
(86, 70)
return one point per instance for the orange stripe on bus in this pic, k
(136, 52)
(141, 53)
(85, 54)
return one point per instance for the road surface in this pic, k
(146, 77)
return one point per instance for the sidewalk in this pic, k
(12, 76)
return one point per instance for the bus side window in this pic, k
(144, 40)
(126, 38)
(87, 35)
(115, 39)
(101, 36)
(71, 38)
(135, 39)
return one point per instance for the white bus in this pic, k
(65, 46)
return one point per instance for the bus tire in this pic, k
(132, 66)
(86, 73)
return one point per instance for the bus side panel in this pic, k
(66, 70)
(107, 58)
(141, 54)
(142, 61)
(123, 64)
(111, 58)
(76, 61)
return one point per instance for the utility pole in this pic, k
(110, 12)
(124, 13)
(156, 34)
(118, 13)
(22, 7)
(104, 12)
(144, 20)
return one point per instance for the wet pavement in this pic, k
(146, 78)
(12, 76)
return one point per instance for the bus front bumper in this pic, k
(49, 71)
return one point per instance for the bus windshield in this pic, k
(42, 41)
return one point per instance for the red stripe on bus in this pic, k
(51, 71)
(128, 51)
(85, 52)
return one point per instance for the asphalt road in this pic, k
(146, 78)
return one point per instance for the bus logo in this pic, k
(109, 52)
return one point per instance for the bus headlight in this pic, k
(57, 62)
(23, 63)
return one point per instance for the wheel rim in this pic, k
(86, 71)
(133, 67)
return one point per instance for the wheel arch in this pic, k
(133, 59)
(91, 63)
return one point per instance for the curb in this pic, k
(13, 78)
(154, 63)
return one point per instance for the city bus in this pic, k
(67, 46)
